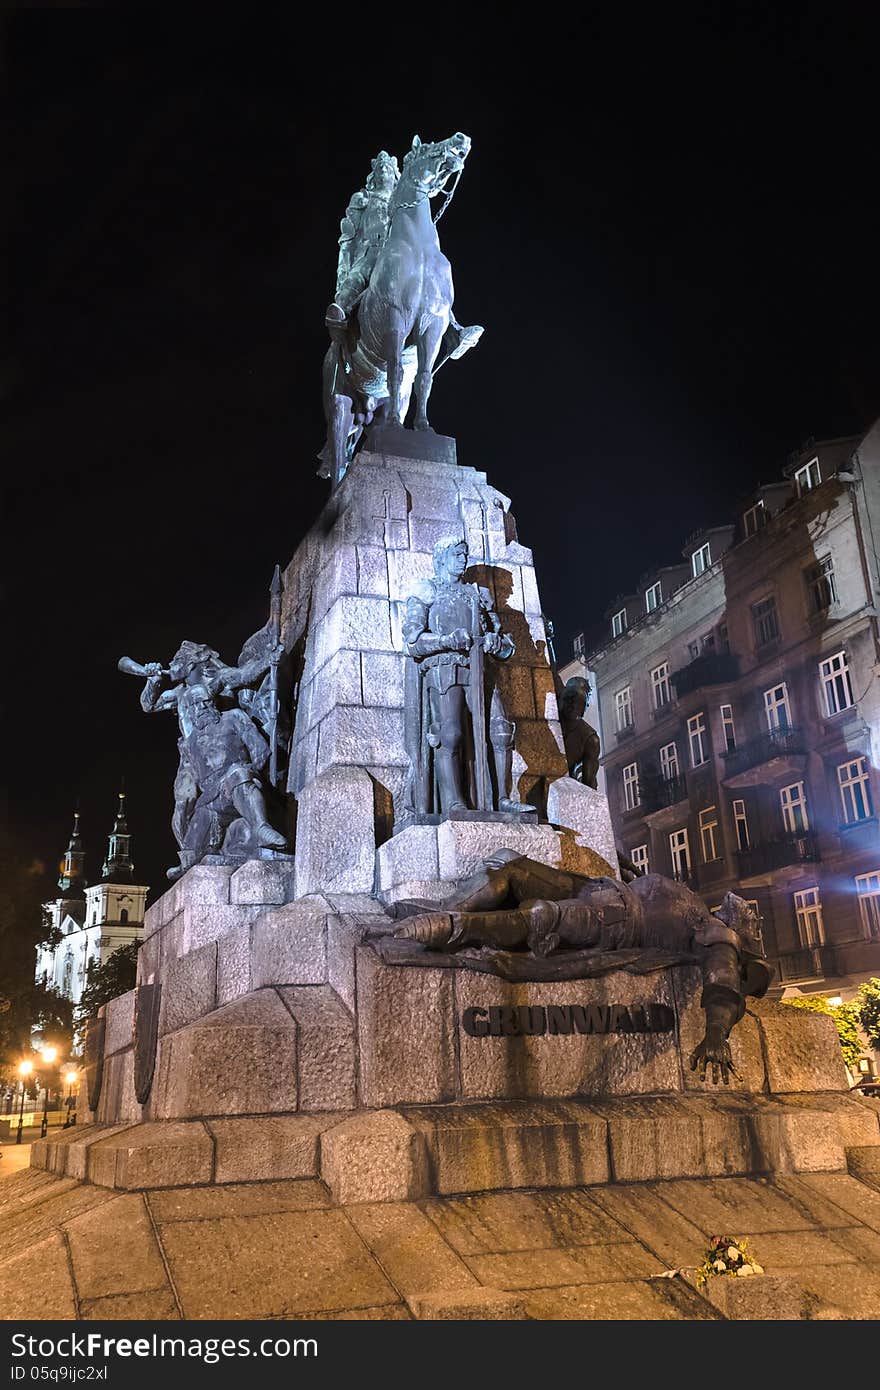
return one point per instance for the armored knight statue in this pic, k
(230, 734)
(362, 234)
(391, 323)
(580, 738)
(449, 628)
(535, 922)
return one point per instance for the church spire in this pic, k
(117, 867)
(72, 879)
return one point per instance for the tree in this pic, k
(105, 982)
(24, 885)
(868, 1000)
(846, 1019)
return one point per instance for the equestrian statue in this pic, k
(391, 324)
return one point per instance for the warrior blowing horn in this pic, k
(134, 668)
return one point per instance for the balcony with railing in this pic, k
(809, 964)
(763, 757)
(709, 668)
(780, 853)
(660, 792)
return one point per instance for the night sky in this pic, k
(670, 236)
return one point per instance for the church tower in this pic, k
(71, 879)
(117, 867)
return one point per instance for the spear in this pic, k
(276, 589)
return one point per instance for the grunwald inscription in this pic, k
(533, 1020)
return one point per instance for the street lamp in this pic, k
(49, 1055)
(71, 1078)
(24, 1069)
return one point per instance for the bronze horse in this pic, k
(390, 348)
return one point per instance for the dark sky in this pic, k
(670, 235)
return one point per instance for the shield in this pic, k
(93, 1059)
(146, 1035)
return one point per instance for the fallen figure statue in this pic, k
(525, 921)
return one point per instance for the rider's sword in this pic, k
(275, 591)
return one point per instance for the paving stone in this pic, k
(802, 1049)
(733, 1206)
(858, 1242)
(853, 1290)
(289, 944)
(113, 1249)
(237, 1060)
(391, 1312)
(486, 1147)
(410, 1248)
(153, 1155)
(784, 1252)
(22, 1227)
(237, 1199)
(405, 1032)
(859, 1202)
(656, 1224)
(468, 1305)
(529, 1269)
(496, 1222)
(189, 988)
(154, 1305)
(259, 1147)
(636, 1300)
(761, 1297)
(325, 1047)
(262, 881)
(286, 1264)
(36, 1283)
(374, 1157)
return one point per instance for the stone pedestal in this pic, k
(344, 595)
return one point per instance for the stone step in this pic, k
(419, 1151)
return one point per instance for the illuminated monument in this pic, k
(447, 987)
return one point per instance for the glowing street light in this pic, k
(49, 1055)
(24, 1069)
(71, 1079)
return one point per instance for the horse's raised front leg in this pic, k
(428, 347)
(393, 340)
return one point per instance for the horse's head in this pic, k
(429, 167)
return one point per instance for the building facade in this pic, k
(88, 923)
(739, 713)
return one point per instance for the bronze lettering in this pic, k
(474, 1026)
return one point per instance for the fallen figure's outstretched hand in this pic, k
(714, 1052)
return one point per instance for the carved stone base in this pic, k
(403, 443)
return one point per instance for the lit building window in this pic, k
(808, 910)
(669, 762)
(701, 560)
(836, 685)
(709, 838)
(631, 793)
(868, 889)
(821, 585)
(623, 709)
(764, 621)
(697, 739)
(855, 790)
(660, 685)
(653, 597)
(754, 519)
(793, 801)
(680, 854)
(728, 727)
(639, 858)
(741, 825)
(618, 623)
(776, 707)
(807, 477)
